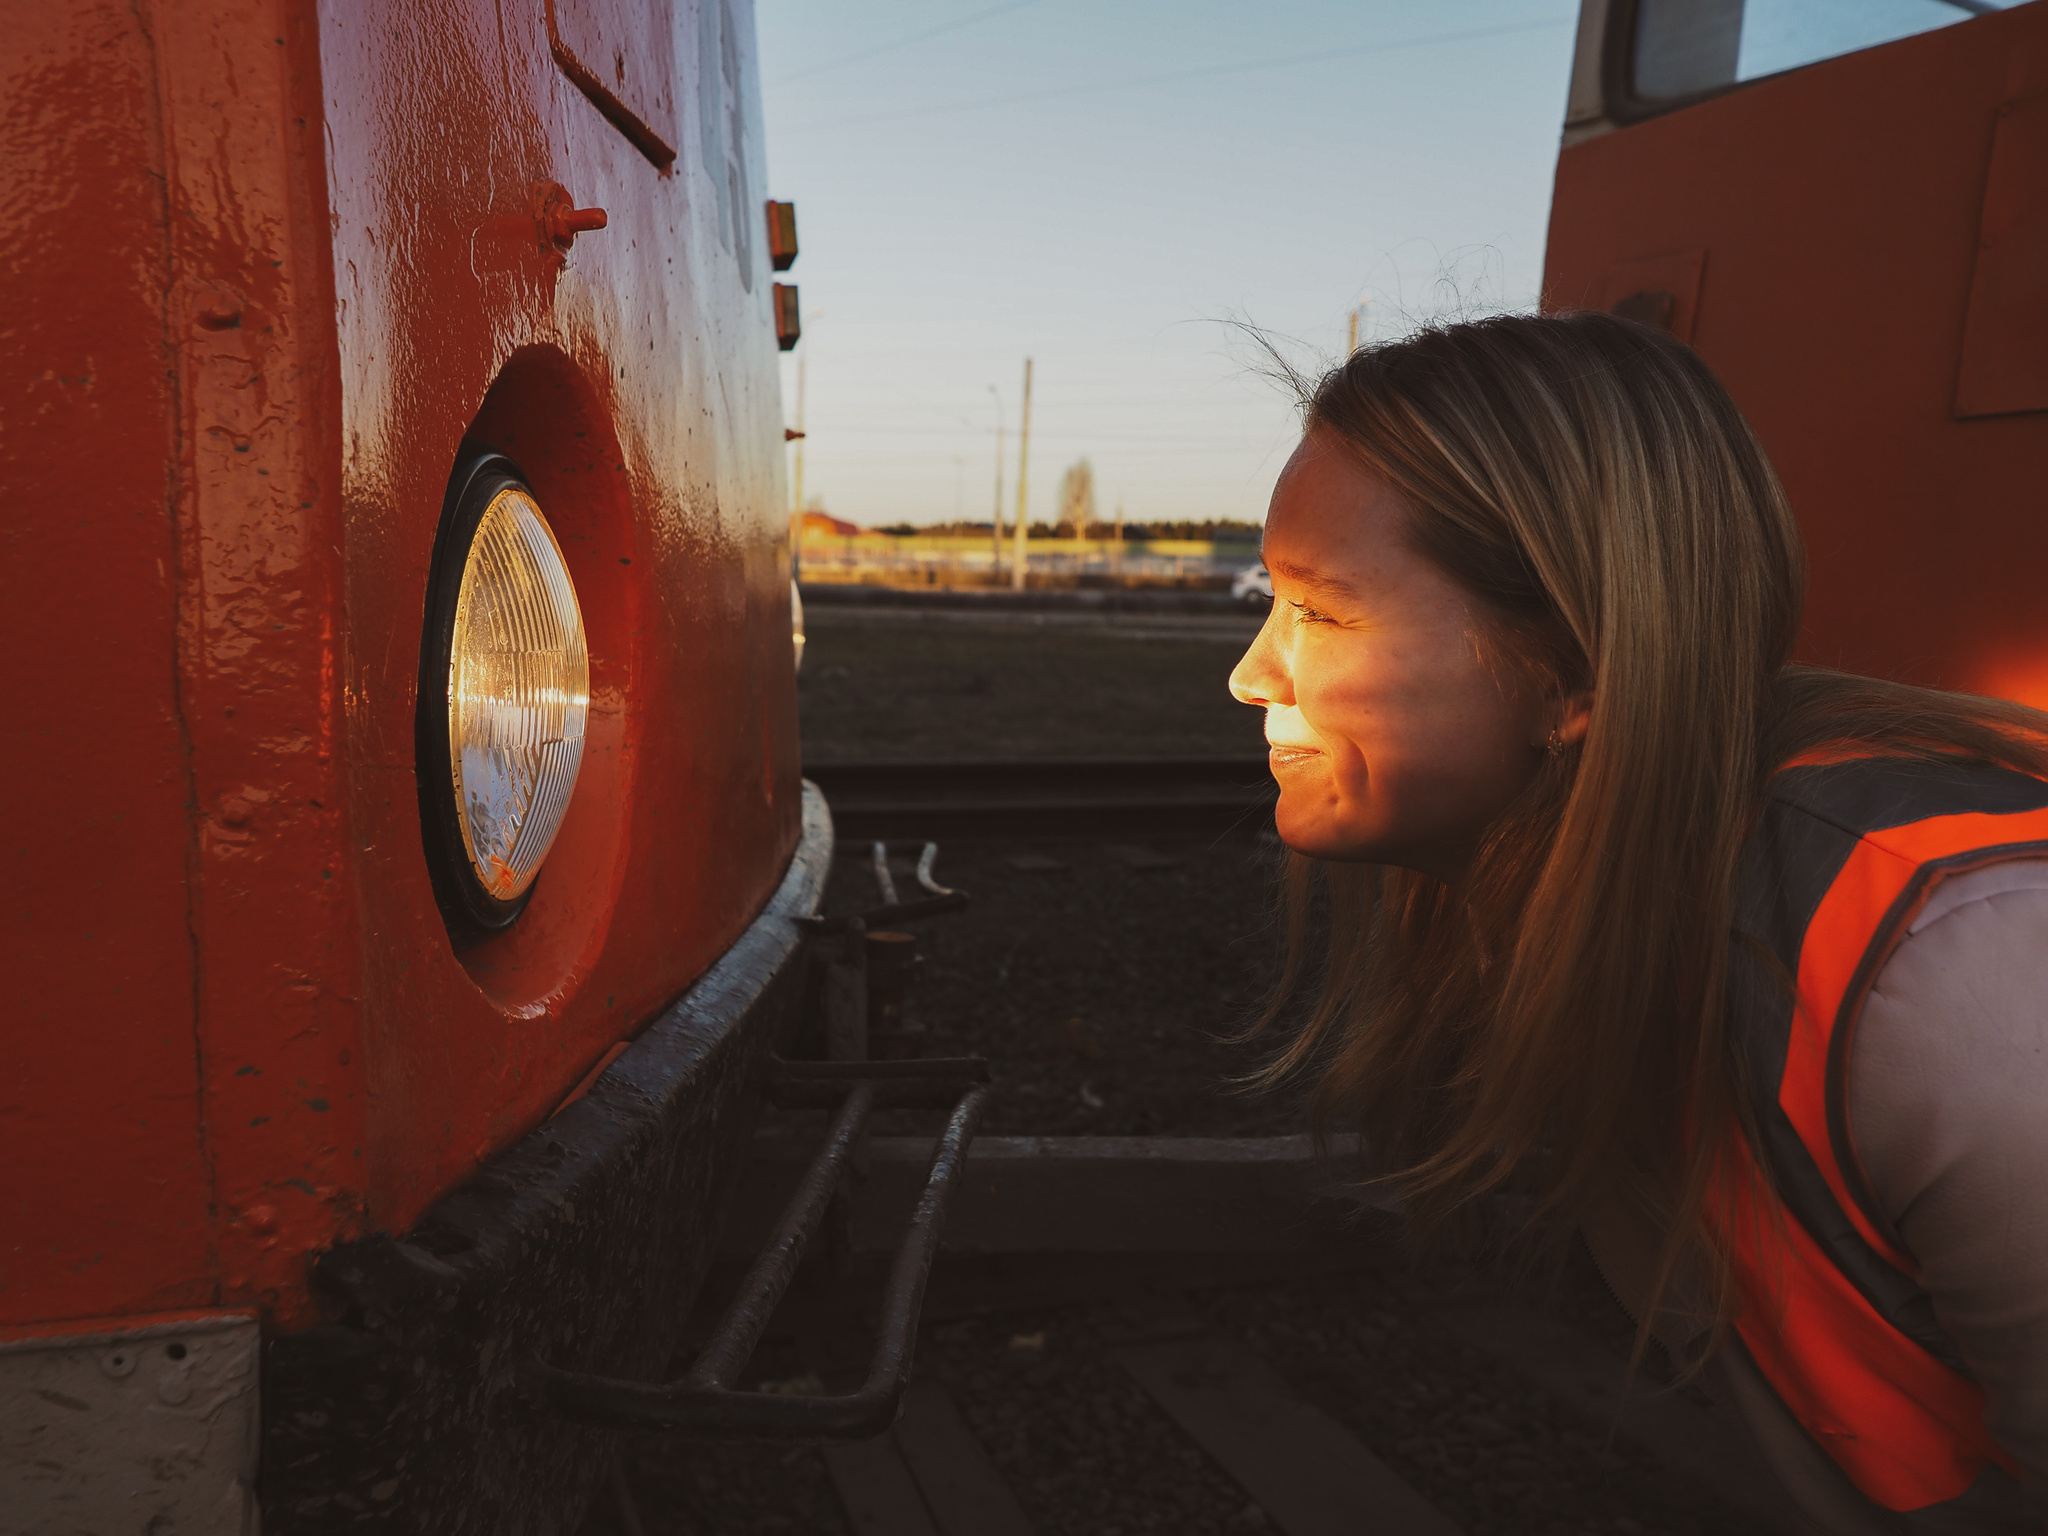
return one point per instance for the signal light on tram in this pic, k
(504, 698)
(782, 236)
(788, 327)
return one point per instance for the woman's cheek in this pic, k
(1333, 707)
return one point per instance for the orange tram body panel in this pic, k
(1856, 246)
(274, 267)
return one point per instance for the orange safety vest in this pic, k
(1842, 858)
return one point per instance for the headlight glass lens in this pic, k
(796, 624)
(518, 694)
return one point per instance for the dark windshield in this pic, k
(1687, 47)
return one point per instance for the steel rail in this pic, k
(1121, 797)
(883, 917)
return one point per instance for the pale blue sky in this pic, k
(1097, 185)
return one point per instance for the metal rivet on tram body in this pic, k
(175, 1385)
(219, 308)
(118, 1363)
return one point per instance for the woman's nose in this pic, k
(1241, 687)
(1260, 677)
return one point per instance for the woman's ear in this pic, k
(1574, 717)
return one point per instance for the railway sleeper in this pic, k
(1308, 1475)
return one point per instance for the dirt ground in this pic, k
(942, 685)
(1105, 983)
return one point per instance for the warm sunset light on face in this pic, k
(1393, 739)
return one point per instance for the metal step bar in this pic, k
(705, 1401)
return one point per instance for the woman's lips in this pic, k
(1283, 755)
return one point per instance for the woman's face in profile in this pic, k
(1393, 737)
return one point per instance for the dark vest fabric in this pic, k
(1843, 857)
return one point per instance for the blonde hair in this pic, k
(1554, 1028)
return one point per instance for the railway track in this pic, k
(1190, 1392)
(1303, 1470)
(1076, 798)
(1137, 1231)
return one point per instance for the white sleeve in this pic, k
(1948, 1113)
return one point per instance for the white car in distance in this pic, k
(1252, 586)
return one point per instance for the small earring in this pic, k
(1555, 746)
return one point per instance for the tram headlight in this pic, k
(796, 623)
(506, 669)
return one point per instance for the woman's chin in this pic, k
(1310, 828)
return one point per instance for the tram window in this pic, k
(1685, 48)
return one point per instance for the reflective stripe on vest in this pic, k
(1842, 858)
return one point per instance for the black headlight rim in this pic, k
(471, 912)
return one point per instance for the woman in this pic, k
(1738, 967)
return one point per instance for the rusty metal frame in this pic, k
(704, 1400)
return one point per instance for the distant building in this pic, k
(825, 525)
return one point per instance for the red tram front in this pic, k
(400, 643)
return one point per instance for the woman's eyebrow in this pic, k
(1308, 576)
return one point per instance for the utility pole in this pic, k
(797, 487)
(996, 523)
(1357, 314)
(1023, 480)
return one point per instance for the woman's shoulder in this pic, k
(1949, 1058)
(1865, 841)
(1946, 1073)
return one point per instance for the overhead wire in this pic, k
(1201, 72)
(903, 42)
(1049, 432)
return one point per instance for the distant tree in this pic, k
(933, 530)
(1077, 498)
(1222, 530)
(1214, 530)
